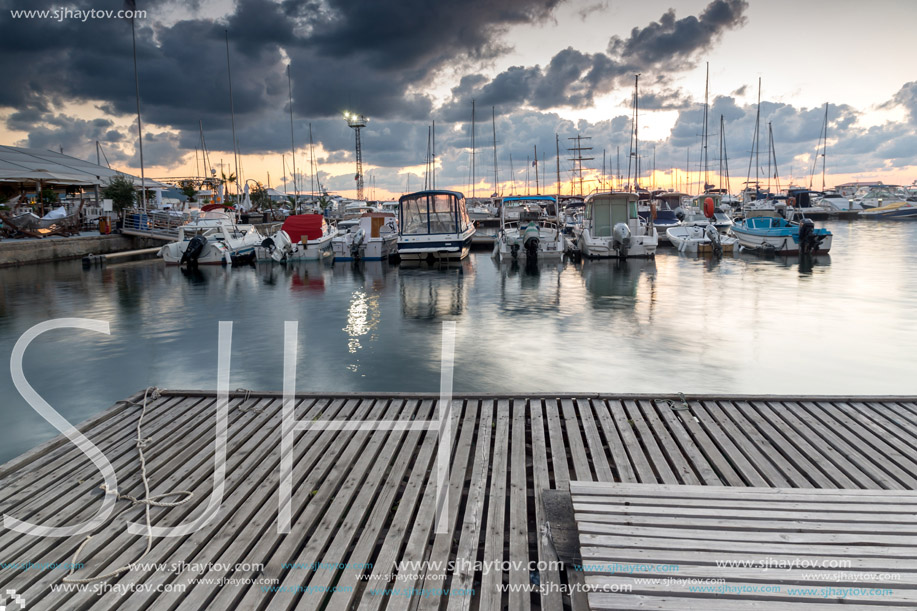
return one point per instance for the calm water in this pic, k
(742, 325)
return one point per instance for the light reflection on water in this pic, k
(845, 324)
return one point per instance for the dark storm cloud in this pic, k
(676, 41)
(574, 79)
(346, 54)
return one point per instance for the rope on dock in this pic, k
(250, 408)
(151, 393)
(678, 408)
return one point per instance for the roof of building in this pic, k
(32, 165)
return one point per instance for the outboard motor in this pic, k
(357, 243)
(531, 238)
(714, 236)
(809, 241)
(280, 245)
(193, 250)
(622, 238)
(680, 214)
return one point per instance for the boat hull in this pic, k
(422, 248)
(786, 244)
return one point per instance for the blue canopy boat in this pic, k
(777, 235)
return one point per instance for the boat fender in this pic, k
(709, 207)
(193, 250)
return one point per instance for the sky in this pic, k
(536, 70)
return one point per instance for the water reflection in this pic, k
(435, 292)
(674, 324)
(613, 284)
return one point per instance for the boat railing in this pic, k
(157, 223)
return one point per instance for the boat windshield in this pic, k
(430, 213)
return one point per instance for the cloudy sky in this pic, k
(546, 67)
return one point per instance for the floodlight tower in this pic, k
(356, 121)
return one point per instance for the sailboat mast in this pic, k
(311, 163)
(758, 135)
(292, 144)
(706, 106)
(473, 177)
(824, 150)
(232, 114)
(512, 175)
(537, 187)
(636, 131)
(139, 123)
(493, 119)
(433, 152)
(557, 161)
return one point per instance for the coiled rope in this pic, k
(150, 394)
(245, 398)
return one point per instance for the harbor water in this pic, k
(844, 324)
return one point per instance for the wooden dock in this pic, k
(365, 500)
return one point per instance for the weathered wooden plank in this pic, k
(745, 513)
(548, 573)
(657, 430)
(723, 467)
(797, 451)
(599, 458)
(769, 494)
(575, 442)
(496, 512)
(662, 410)
(718, 432)
(753, 547)
(642, 468)
(519, 600)
(473, 520)
(778, 472)
(616, 446)
(659, 463)
(748, 534)
(629, 602)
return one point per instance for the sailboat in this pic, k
(612, 226)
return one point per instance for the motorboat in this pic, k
(897, 211)
(612, 228)
(374, 237)
(531, 237)
(700, 239)
(212, 239)
(515, 206)
(776, 235)
(877, 197)
(302, 237)
(702, 213)
(482, 208)
(660, 210)
(434, 224)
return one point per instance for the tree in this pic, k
(260, 198)
(120, 191)
(188, 190)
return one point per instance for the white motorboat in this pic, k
(700, 239)
(434, 225)
(373, 238)
(213, 239)
(612, 228)
(303, 237)
(531, 237)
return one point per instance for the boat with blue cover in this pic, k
(776, 234)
